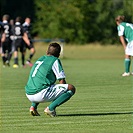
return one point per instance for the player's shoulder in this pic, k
(50, 59)
(24, 24)
(121, 26)
(41, 58)
(124, 24)
(6, 24)
(17, 25)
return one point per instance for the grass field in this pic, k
(102, 104)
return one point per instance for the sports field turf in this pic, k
(103, 102)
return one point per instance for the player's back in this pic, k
(41, 74)
(18, 30)
(27, 29)
(128, 31)
(7, 29)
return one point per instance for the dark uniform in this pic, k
(27, 29)
(1, 31)
(18, 33)
(7, 44)
(1, 27)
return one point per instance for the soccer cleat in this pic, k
(50, 113)
(29, 63)
(125, 74)
(34, 111)
(15, 66)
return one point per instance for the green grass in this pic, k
(102, 103)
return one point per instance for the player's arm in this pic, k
(123, 42)
(3, 37)
(59, 72)
(25, 38)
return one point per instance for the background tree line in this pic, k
(75, 21)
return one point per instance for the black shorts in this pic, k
(18, 45)
(6, 45)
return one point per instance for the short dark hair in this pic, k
(18, 19)
(120, 19)
(6, 17)
(54, 49)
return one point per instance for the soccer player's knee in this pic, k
(33, 50)
(72, 88)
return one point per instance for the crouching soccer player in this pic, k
(41, 85)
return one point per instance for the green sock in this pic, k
(60, 100)
(127, 65)
(35, 105)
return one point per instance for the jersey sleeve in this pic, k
(58, 70)
(120, 30)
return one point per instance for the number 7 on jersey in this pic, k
(39, 63)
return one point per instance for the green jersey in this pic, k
(126, 30)
(44, 73)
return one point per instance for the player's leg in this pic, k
(23, 58)
(33, 109)
(61, 98)
(15, 59)
(9, 52)
(16, 46)
(3, 59)
(23, 52)
(12, 49)
(3, 54)
(35, 99)
(127, 62)
(32, 52)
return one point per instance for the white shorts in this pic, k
(129, 49)
(48, 94)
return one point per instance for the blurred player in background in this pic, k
(41, 85)
(1, 32)
(27, 28)
(7, 42)
(11, 22)
(12, 25)
(18, 36)
(125, 32)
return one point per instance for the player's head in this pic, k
(28, 20)
(54, 49)
(6, 17)
(18, 19)
(11, 22)
(119, 19)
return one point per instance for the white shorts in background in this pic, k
(48, 94)
(129, 49)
